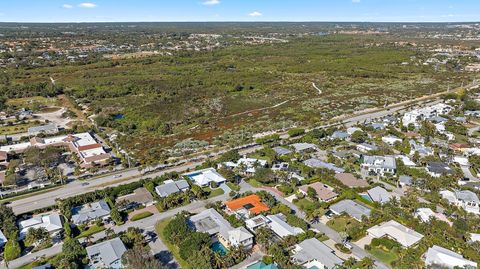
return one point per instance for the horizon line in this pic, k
(280, 21)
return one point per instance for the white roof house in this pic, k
(425, 214)
(256, 222)
(52, 223)
(249, 164)
(379, 194)
(107, 254)
(211, 222)
(467, 200)
(391, 140)
(396, 231)
(380, 165)
(280, 227)
(439, 256)
(312, 253)
(205, 177)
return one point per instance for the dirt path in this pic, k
(315, 86)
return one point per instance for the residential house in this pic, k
(405, 181)
(406, 160)
(391, 140)
(365, 147)
(352, 130)
(420, 149)
(437, 169)
(256, 222)
(51, 222)
(107, 254)
(90, 212)
(246, 206)
(445, 258)
(395, 231)
(351, 181)
(48, 129)
(84, 145)
(350, 208)
(378, 125)
(249, 165)
(211, 222)
(425, 214)
(379, 195)
(170, 187)
(324, 192)
(312, 253)
(139, 197)
(417, 115)
(339, 135)
(280, 166)
(466, 199)
(205, 177)
(304, 147)
(316, 163)
(281, 151)
(261, 265)
(281, 228)
(380, 165)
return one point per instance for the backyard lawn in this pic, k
(233, 186)
(91, 230)
(142, 215)
(384, 256)
(159, 227)
(214, 192)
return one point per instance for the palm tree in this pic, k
(109, 232)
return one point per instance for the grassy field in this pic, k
(214, 192)
(16, 129)
(159, 229)
(140, 216)
(227, 95)
(233, 186)
(343, 223)
(35, 103)
(91, 230)
(384, 256)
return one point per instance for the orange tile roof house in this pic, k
(248, 205)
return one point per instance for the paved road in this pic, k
(119, 178)
(332, 234)
(147, 224)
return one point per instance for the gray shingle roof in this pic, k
(172, 187)
(90, 212)
(312, 249)
(316, 163)
(353, 209)
(281, 151)
(108, 251)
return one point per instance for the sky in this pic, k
(239, 10)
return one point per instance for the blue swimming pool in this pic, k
(219, 248)
(366, 197)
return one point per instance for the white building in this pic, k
(380, 165)
(417, 115)
(312, 253)
(395, 231)
(205, 177)
(445, 258)
(280, 227)
(52, 223)
(467, 200)
(249, 165)
(107, 254)
(391, 140)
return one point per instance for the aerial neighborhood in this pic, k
(323, 198)
(289, 146)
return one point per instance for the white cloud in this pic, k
(211, 2)
(255, 14)
(87, 5)
(67, 6)
(356, 1)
